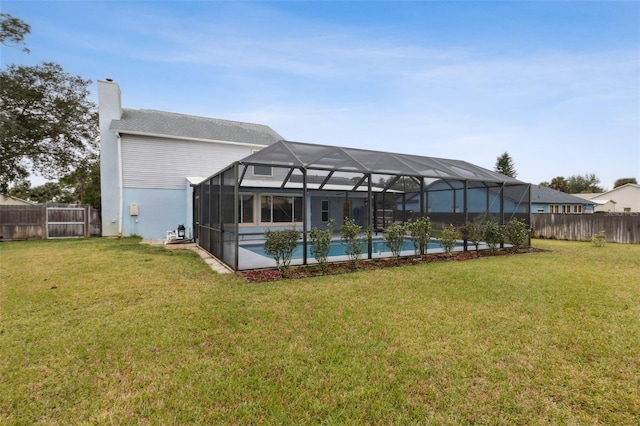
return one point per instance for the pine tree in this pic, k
(504, 165)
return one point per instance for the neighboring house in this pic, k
(480, 200)
(623, 199)
(548, 200)
(8, 200)
(447, 197)
(149, 159)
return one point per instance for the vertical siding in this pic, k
(618, 229)
(165, 163)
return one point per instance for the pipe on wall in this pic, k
(120, 190)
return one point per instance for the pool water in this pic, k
(338, 248)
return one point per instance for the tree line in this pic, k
(575, 184)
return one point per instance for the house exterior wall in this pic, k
(152, 162)
(441, 198)
(153, 168)
(159, 210)
(622, 199)
(443, 201)
(575, 208)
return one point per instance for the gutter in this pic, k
(120, 191)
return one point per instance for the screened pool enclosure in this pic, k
(298, 185)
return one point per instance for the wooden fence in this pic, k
(623, 229)
(40, 221)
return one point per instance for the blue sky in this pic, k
(555, 84)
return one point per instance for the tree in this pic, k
(13, 30)
(83, 184)
(589, 183)
(47, 124)
(505, 166)
(558, 183)
(50, 192)
(21, 189)
(624, 181)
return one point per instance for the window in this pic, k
(540, 209)
(246, 208)
(324, 208)
(280, 208)
(566, 209)
(577, 208)
(266, 171)
(553, 208)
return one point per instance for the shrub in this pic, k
(354, 244)
(492, 235)
(321, 243)
(393, 238)
(420, 231)
(516, 233)
(280, 245)
(448, 239)
(473, 232)
(598, 239)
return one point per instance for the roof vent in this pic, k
(110, 80)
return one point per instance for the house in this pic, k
(548, 200)
(447, 197)
(623, 199)
(149, 160)
(479, 200)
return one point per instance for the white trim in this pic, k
(120, 184)
(283, 195)
(187, 138)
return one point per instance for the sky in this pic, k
(555, 84)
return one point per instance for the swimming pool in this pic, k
(338, 248)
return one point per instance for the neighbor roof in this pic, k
(8, 200)
(542, 194)
(324, 157)
(168, 124)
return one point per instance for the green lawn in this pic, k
(140, 334)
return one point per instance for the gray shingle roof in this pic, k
(168, 124)
(542, 194)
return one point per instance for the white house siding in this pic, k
(619, 199)
(149, 162)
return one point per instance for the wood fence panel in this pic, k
(30, 222)
(67, 222)
(95, 222)
(623, 229)
(22, 222)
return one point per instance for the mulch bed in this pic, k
(272, 274)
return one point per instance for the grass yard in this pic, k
(136, 334)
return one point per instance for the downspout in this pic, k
(305, 213)
(369, 217)
(120, 190)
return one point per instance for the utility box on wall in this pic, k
(133, 209)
